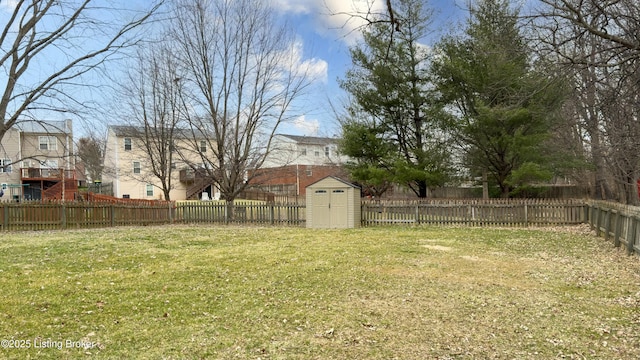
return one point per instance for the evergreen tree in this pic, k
(502, 107)
(390, 87)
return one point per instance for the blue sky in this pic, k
(323, 43)
(326, 40)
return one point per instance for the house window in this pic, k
(174, 165)
(149, 190)
(203, 146)
(127, 144)
(5, 166)
(126, 196)
(309, 172)
(136, 167)
(303, 152)
(48, 142)
(326, 151)
(317, 153)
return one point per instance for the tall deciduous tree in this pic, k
(243, 71)
(154, 104)
(502, 107)
(390, 87)
(46, 46)
(598, 41)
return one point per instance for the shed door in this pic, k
(321, 209)
(339, 209)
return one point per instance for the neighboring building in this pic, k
(303, 150)
(298, 161)
(127, 167)
(37, 162)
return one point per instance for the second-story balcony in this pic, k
(191, 175)
(46, 174)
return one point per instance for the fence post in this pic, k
(5, 220)
(526, 215)
(112, 215)
(272, 213)
(363, 214)
(631, 238)
(585, 213)
(417, 213)
(63, 216)
(618, 230)
(607, 224)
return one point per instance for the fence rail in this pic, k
(474, 212)
(617, 222)
(241, 213)
(76, 215)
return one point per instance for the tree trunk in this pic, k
(422, 189)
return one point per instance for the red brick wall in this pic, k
(292, 174)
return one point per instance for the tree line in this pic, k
(514, 98)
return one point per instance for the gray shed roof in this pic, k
(337, 179)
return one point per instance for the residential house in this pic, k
(37, 162)
(127, 166)
(298, 161)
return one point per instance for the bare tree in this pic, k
(153, 98)
(47, 46)
(599, 41)
(244, 77)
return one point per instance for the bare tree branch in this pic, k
(54, 32)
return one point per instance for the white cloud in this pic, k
(8, 5)
(295, 6)
(342, 18)
(306, 127)
(314, 69)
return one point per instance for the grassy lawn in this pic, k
(201, 292)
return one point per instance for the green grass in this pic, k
(200, 292)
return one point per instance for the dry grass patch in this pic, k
(284, 293)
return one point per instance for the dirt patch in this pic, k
(438, 247)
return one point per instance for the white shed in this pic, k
(333, 203)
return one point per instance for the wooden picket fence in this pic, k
(475, 212)
(77, 215)
(617, 222)
(251, 213)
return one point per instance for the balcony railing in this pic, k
(191, 175)
(46, 174)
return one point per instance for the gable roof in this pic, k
(137, 131)
(44, 126)
(336, 179)
(311, 140)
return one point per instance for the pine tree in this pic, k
(390, 87)
(502, 107)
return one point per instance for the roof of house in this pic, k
(44, 126)
(311, 140)
(133, 131)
